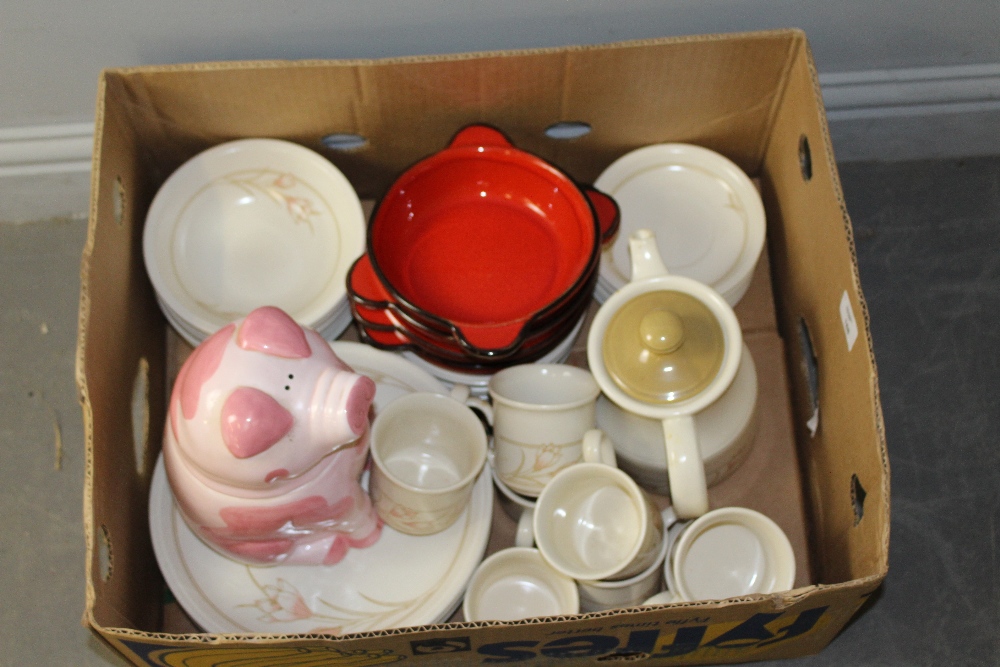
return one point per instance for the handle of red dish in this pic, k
(363, 283)
(480, 135)
(608, 213)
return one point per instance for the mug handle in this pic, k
(685, 469)
(463, 394)
(598, 448)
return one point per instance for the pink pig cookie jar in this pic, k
(265, 442)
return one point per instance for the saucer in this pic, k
(707, 215)
(253, 222)
(400, 581)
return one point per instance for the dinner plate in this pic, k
(400, 581)
(707, 215)
(249, 223)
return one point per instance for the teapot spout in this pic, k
(645, 254)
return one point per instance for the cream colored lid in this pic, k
(663, 346)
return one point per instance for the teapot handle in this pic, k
(685, 468)
(646, 261)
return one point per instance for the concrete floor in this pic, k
(928, 240)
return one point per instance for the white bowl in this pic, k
(249, 223)
(707, 215)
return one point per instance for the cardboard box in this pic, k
(820, 459)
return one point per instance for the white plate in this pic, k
(400, 581)
(249, 223)
(705, 211)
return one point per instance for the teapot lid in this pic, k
(663, 346)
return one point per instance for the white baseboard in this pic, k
(45, 171)
(914, 114)
(901, 114)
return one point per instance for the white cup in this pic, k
(517, 583)
(602, 594)
(427, 450)
(540, 415)
(730, 552)
(592, 521)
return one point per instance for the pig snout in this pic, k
(341, 402)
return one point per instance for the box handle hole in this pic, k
(104, 553)
(805, 159)
(344, 141)
(118, 202)
(140, 415)
(566, 130)
(858, 494)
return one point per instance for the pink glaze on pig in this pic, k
(265, 443)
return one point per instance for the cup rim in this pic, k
(613, 584)
(540, 370)
(781, 545)
(564, 581)
(456, 408)
(588, 469)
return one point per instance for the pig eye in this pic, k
(290, 377)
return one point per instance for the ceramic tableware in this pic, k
(265, 442)
(706, 212)
(730, 552)
(592, 521)
(254, 222)
(478, 380)
(541, 413)
(516, 583)
(726, 431)
(614, 594)
(666, 347)
(390, 328)
(483, 240)
(427, 450)
(399, 581)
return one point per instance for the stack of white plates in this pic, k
(250, 223)
(705, 211)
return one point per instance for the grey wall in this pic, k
(902, 79)
(51, 52)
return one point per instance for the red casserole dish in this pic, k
(483, 240)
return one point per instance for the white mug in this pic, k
(540, 415)
(603, 594)
(516, 583)
(730, 552)
(427, 451)
(592, 521)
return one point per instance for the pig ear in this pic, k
(270, 330)
(252, 421)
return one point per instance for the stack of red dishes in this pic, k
(480, 256)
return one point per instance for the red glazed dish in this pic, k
(481, 239)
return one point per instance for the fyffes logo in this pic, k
(757, 632)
